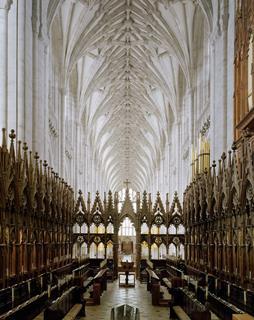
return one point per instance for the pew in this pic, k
(30, 308)
(167, 283)
(221, 307)
(5, 300)
(175, 277)
(160, 294)
(200, 276)
(153, 285)
(174, 272)
(96, 287)
(244, 316)
(179, 313)
(86, 283)
(101, 278)
(68, 306)
(29, 296)
(233, 294)
(165, 297)
(190, 305)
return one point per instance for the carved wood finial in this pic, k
(12, 135)
(25, 147)
(229, 158)
(234, 147)
(223, 156)
(36, 156)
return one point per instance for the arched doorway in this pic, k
(126, 235)
(127, 241)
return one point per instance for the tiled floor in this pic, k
(138, 297)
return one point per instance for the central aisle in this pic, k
(138, 297)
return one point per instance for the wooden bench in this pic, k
(180, 313)
(99, 284)
(167, 283)
(243, 316)
(88, 296)
(87, 282)
(222, 308)
(191, 306)
(68, 306)
(74, 311)
(165, 298)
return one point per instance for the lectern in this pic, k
(129, 280)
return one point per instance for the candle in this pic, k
(244, 297)
(29, 287)
(49, 291)
(250, 274)
(228, 290)
(206, 292)
(12, 294)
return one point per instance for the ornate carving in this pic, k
(36, 210)
(226, 199)
(206, 126)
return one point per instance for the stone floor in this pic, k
(138, 297)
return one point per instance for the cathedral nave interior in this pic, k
(126, 159)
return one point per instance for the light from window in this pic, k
(76, 228)
(163, 229)
(109, 250)
(84, 228)
(127, 228)
(144, 250)
(110, 228)
(154, 229)
(101, 228)
(162, 251)
(154, 251)
(172, 250)
(144, 228)
(180, 229)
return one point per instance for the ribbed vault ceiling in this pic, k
(131, 59)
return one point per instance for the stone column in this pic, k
(85, 164)
(35, 142)
(21, 81)
(62, 132)
(4, 8)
